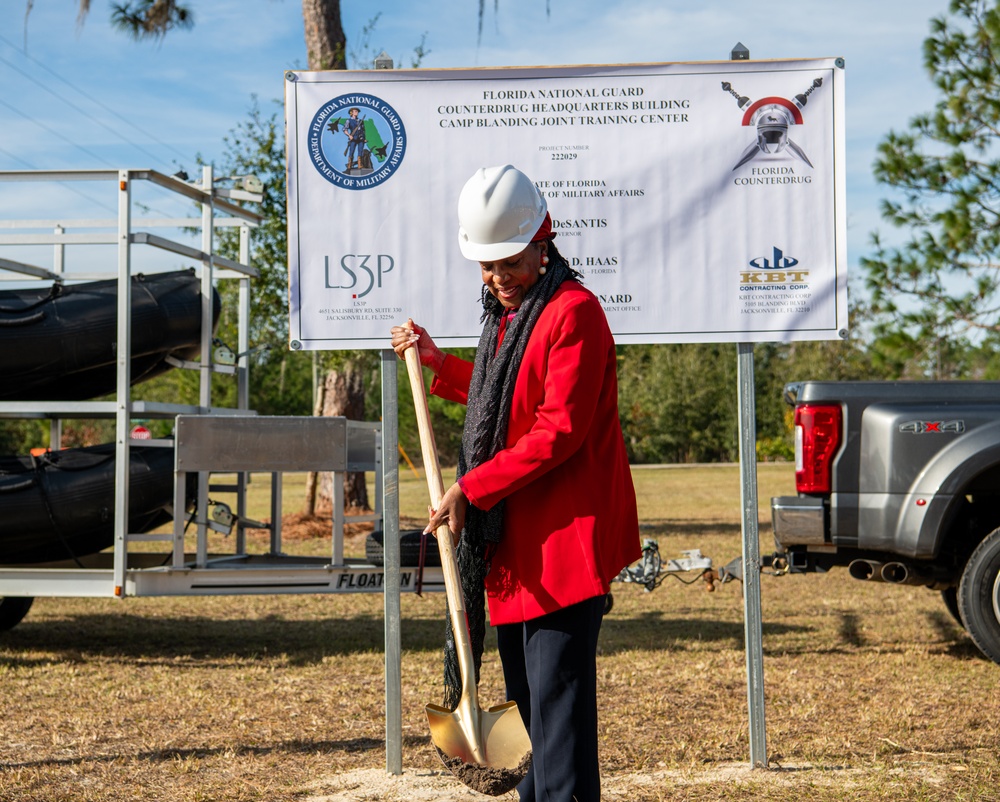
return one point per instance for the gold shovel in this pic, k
(488, 750)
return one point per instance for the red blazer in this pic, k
(570, 522)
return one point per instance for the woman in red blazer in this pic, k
(544, 502)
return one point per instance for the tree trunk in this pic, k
(325, 40)
(343, 392)
(344, 395)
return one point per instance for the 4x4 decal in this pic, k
(932, 426)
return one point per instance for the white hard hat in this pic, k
(499, 211)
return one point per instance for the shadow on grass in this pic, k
(954, 640)
(136, 638)
(130, 637)
(285, 747)
(654, 630)
(665, 529)
(946, 627)
(850, 632)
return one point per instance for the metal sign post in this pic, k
(751, 542)
(751, 558)
(390, 540)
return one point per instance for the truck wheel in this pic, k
(979, 596)
(13, 609)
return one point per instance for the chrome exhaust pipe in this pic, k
(868, 570)
(900, 573)
(897, 573)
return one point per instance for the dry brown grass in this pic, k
(873, 693)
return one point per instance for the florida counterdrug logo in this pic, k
(772, 118)
(356, 141)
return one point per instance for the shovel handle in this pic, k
(435, 486)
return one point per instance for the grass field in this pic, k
(873, 692)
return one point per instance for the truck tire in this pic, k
(13, 609)
(978, 599)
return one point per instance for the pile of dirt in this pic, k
(488, 780)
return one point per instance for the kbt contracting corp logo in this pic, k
(776, 269)
(356, 141)
(774, 284)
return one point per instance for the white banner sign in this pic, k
(702, 202)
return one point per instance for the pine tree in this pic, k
(942, 285)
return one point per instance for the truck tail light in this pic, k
(817, 438)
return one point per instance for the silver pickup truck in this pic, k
(900, 483)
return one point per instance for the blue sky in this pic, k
(89, 97)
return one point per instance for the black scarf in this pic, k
(490, 393)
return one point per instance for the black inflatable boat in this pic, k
(60, 505)
(58, 343)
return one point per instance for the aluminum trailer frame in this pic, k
(122, 573)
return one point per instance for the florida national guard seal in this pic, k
(356, 141)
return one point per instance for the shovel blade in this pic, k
(500, 740)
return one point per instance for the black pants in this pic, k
(550, 668)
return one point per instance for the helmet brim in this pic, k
(491, 251)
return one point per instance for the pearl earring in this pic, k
(542, 270)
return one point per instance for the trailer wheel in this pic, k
(979, 596)
(13, 609)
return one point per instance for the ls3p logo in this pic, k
(360, 272)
